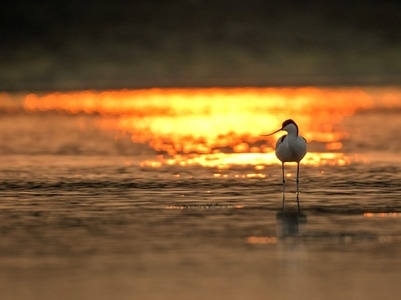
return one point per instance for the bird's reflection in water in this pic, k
(291, 223)
(292, 252)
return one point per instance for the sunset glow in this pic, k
(218, 127)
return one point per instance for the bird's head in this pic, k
(288, 125)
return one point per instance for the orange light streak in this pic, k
(382, 215)
(262, 240)
(218, 127)
(224, 161)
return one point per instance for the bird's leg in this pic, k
(282, 171)
(299, 209)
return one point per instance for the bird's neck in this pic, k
(292, 133)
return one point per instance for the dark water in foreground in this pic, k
(101, 227)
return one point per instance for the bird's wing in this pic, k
(280, 140)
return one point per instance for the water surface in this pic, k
(94, 211)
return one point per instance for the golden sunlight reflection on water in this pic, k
(221, 127)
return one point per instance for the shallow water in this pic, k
(82, 218)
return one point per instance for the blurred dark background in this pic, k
(49, 45)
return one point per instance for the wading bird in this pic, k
(290, 148)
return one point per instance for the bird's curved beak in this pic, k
(272, 132)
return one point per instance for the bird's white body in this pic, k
(290, 148)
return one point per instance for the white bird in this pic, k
(290, 148)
